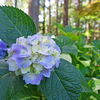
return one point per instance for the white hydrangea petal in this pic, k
(38, 67)
(25, 70)
(45, 38)
(12, 65)
(35, 48)
(34, 57)
(17, 72)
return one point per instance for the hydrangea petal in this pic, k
(2, 54)
(25, 70)
(12, 65)
(46, 72)
(38, 67)
(3, 45)
(32, 78)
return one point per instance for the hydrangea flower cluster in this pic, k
(3, 49)
(34, 57)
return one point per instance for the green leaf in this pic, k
(63, 84)
(71, 48)
(83, 70)
(28, 92)
(68, 28)
(61, 28)
(66, 57)
(72, 36)
(14, 23)
(96, 95)
(9, 83)
(88, 46)
(62, 41)
(72, 30)
(85, 63)
(76, 30)
(94, 84)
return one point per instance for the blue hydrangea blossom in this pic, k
(34, 57)
(3, 49)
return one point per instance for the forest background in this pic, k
(77, 13)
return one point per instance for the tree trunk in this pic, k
(34, 12)
(43, 16)
(88, 28)
(89, 1)
(15, 3)
(65, 13)
(77, 19)
(99, 32)
(94, 34)
(56, 16)
(49, 31)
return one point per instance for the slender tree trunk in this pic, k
(88, 28)
(34, 12)
(15, 3)
(94, 34)
(65, 13)
(89, 1)
(99, 32)
(43, 16)
(56, 16)
(77, 19)
(49, 17)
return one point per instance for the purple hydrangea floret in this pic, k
(3, 49)
(34, 57)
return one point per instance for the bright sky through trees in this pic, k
(2, 2)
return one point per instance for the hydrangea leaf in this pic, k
(9, 83)
(14, 23)
(66, 57)
(62, 41)
(64, 83)
(71, 48)
(28, 92)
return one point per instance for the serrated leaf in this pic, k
(71, 48)
(63, 84)
(28, 93)
(62, 41)
(9, 83)
(14, 23)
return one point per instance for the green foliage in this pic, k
(14, 23)
(71, 48)
(9, 83)
(28, 92)
(64, 83)
(69, 31)
(87, 59)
